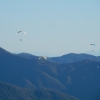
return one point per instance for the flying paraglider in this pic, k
(43, 57)
(21, 32)
(92, 45)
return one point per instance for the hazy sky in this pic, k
(56, 27)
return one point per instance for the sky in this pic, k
(53, 27)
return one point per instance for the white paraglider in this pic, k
(92, 45)
(43, 57)
(19, 32)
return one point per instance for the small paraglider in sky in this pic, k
(21, 32)
(92, 45)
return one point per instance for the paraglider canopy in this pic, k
(21, 32)
(43, 57)
(92, 45)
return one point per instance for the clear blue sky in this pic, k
(56, 27)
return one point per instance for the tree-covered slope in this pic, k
(11, 92)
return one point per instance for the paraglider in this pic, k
(21, 32)
(92, 45)
(43, 57)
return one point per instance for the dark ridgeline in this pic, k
(78, 75)
(72, 57)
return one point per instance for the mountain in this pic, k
(4, 52)
(11, 92)
(72, 57)
(79, 79)
(67, 58)
(82, 79)
(27, 55)
(28, 73)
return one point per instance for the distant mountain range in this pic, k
(74, 74)
(67, 58)
(72, 57)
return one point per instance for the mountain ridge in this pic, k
(79, 78)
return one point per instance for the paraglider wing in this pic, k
(22, 32)
(19, 31)
(92, 45)
(25, 33)
(43, 57)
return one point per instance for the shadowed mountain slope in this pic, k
(11, 92)
(27, 72)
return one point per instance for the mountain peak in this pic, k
(3, 51)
